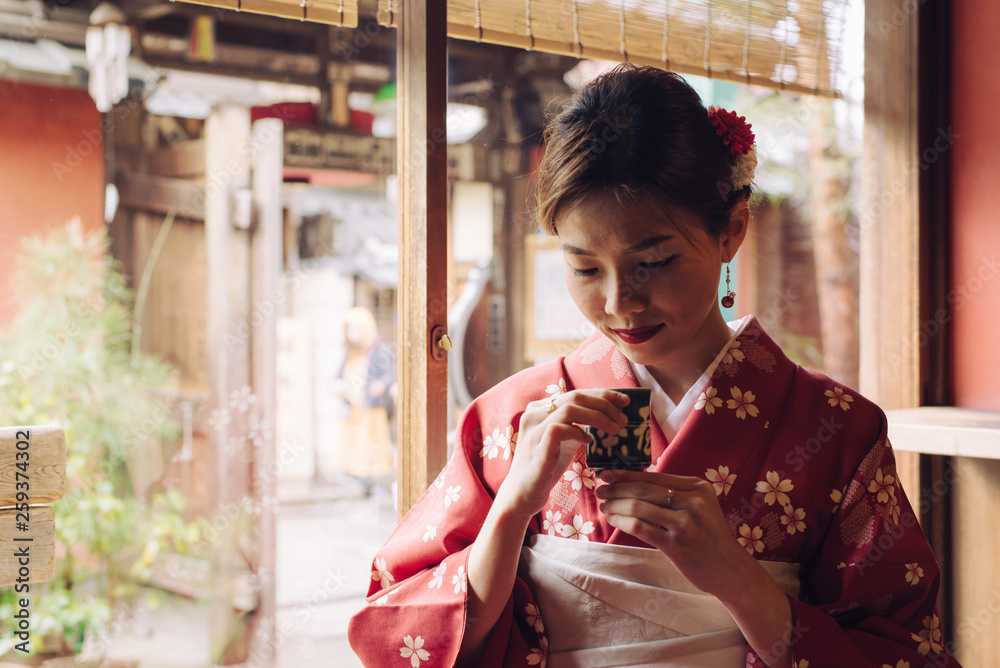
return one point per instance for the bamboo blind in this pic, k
(334, 12)
(794, 45)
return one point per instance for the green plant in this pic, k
(67, 358)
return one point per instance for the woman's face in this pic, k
(644, 275)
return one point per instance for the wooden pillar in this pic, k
(890, 257)
(421, 69)
(268, 297)
(227, 171)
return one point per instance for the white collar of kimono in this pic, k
(671, 416)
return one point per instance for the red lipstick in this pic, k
(640, 335)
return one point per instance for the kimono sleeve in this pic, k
(417, 598)
(875, 582)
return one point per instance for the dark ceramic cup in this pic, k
(631, 447)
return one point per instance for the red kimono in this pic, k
(803, 472)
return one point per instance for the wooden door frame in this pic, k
(422, 166)
(905, 239)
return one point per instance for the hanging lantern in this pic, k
(109, 43)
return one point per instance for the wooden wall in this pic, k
(51, 169)
(975, 280)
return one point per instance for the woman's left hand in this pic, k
(680, 516)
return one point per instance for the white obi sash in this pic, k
(614, 605)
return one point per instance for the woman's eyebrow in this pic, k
(648, 243)
(573, 250)
(637, 248)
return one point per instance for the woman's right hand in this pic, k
(549, 435)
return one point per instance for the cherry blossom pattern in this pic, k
(439, 480)
(430, 533)
(497, 442)
(578, 529)
(413, 650)
(452, 495)
(242, 399)
(929, 639)
(892, 509)
(742, 403)
(579, 477)
(774, 488)
(259, 431)
(801, 663)
(837, 496)
(913, 573)
(219, 418)
(235, 445)
(899, 664)
(734, 353)
(381, 574)
(722, 480)
(384, 598)
(708, 401)
(460, 580)
(539, 654)
(438, 578)
(838, 397)
(883, 486)
(552, 525)
(556, 388)
(792, 519)
(534, 618)
(751, 538)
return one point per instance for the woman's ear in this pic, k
(736, 232)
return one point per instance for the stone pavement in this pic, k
(327, 536)
(324, 567)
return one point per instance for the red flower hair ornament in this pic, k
(738, 141)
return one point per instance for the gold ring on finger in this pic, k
(670, 498)
(552, 406)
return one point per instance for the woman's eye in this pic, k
(584, 272)
(652, 266)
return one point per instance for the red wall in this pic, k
(51, 169)
(975, 208)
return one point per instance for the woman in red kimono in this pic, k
(771, 528)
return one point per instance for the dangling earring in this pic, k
(730, 298)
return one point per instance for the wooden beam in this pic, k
(421, 63)
(182, 160)
(39, 538)
(185, 199)
(227, 170)
(268, 297)
(254, 71)
(890, 226)
(934, 45)
(32, 471)
(36, 456)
